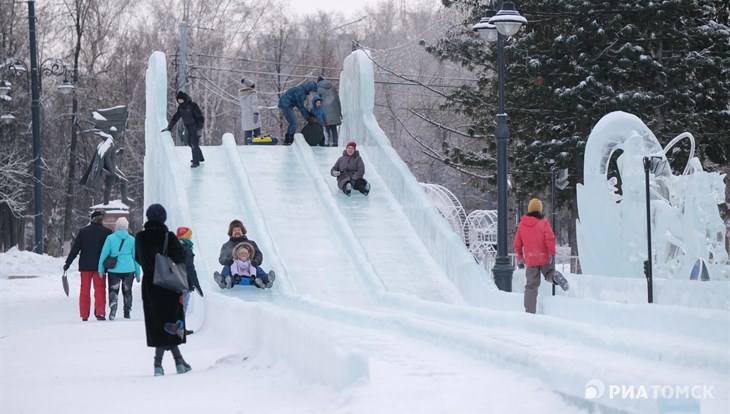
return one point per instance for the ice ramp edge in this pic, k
(286, 336)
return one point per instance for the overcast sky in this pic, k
(347, 7)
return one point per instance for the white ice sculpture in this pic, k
(448, 205)
(480, 229)
(686, 224)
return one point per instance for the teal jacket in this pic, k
(125, 258)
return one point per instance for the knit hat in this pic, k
(534, 206)
(248, 83)
(97, 216)
(122, 224)
(234, 224)
(351, 144)
(155, 212)
(184, 233)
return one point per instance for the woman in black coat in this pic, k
(164, 317)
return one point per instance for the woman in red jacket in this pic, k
(535, 247)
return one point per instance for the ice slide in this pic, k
(356, 273)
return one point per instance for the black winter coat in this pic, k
(190, 113)
(160, 305)
(226, 256)
(89, 243)
(193, 282)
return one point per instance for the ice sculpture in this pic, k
(686, 226)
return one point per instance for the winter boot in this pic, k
(219, 280)
(272, 277)
(560, 280)
(189, 332)
(159, 371)
(229, 282)
(288, 139)
(112, 312)
(100, 318)
(182, 367)
(126, 314)
(366, 190)
(259, 283)
(348, 189)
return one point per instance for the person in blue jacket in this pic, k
(120, 244)
(295, 98)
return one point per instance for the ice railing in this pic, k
(162, 183)
(357, 89)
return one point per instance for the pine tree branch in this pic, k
(442, 126)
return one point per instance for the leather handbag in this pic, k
(168, 274)
(111, 261)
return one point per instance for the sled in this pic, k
(313, 133)
(262, 140)
(64, 282)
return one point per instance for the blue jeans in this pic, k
(291, 118)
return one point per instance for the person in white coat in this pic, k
(250, 117)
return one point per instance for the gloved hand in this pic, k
(520, 265)
(255, 118)
(335, 173)
(199, 133)
(165, 129)
(326, 123)
(312, 119)
(138, 278)
(552, 261)
(65, 267)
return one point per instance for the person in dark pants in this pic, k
(89, 243)
(295, 98)
(350, 171)
(120, 244)
(237, 234)
(332, 108)
(194, 121)
(164, 316)
(184, 234)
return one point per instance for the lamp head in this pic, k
(508, 20)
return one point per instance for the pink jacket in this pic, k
(534, 241)
(241, 268)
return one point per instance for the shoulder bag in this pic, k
(168, 274)
(111, 261)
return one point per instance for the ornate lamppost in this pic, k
(495, 26)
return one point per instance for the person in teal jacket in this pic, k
(120, 244)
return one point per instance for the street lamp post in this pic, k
(56, 67)
(495, 26)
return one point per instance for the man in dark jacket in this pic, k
(164, 316)
(89, 243)
(295, 98)
(193, 120)
(237, 234)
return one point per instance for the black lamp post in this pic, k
(55, 67)
(495, 26)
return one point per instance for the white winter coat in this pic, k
(250, 117)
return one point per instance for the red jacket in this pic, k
(534, 241)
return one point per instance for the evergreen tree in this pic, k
(667, 62)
